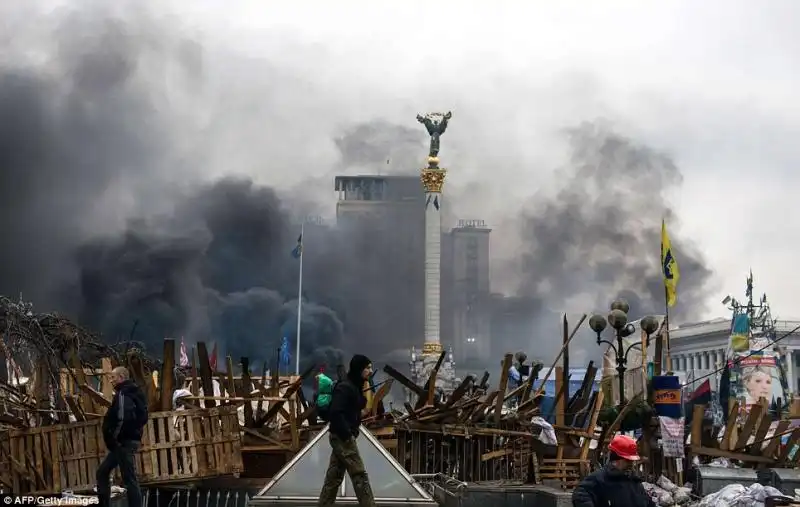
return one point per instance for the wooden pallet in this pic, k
(184, 445)
(568, 471)
(177, 446)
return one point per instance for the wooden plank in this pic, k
(460, 391)
(498, 407)
(730, 427)
(163, 463)
(478, 412)
(383, 390)
(194, 384)
(260, 406)
(576, 408)
(105, 384)
(246, 390)
(80, 378)
(430, 384)
(100, 401)
(750, 424)
(761, 432)
(276, 407)
(231, 383)
(75, 408)
(598, 405)
(565, 359)
(560, 396)
(526, 393)
(41, 392)
(484, 383)
(405, 381)
(137, 371)
(55, 454)
(431, 397)
(205, 374)
(168, 374)
(149, 451)
(696, 431)
(555, 361)
(720, 453)
(293, 426)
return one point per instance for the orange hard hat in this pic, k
(625, 447)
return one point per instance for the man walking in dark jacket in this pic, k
(615, 485)
(345, 419)
(122, 433)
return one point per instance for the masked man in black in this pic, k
(345, 412)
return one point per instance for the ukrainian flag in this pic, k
(669, 267)
(298, 250)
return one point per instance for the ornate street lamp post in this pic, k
(618, 320)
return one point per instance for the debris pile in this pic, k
(666, 493)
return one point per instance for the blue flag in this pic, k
(298, 250)
(286, 356)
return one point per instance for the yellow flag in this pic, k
(669, 267)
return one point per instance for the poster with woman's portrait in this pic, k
(757, 376)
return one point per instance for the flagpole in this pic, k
(665, 324)
(666, 300)
(666, 329)
(299, 300)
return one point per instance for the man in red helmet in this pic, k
(615, 485)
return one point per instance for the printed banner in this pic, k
(672, 436)
(755, 368)
(756, 376)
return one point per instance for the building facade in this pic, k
(385, 215)
(698, 350)
(466, 262)
(390, 211)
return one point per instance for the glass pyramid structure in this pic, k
(300, 481)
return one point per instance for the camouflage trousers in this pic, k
(345, 458)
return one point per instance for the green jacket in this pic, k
(324, 390)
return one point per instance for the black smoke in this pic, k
(598, 237)
(71, 128)
(218, 268)
(91, 134)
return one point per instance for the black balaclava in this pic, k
(357, 365)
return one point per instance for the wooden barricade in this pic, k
(97, 378)
(176, 446)
(184, 445)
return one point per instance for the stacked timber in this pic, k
(755, 440)
(482, 434)
(48, 450)
(208, 422)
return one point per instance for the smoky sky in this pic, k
(598, 237)
(107, 217)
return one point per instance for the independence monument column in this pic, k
(432, 178)
(432, 181)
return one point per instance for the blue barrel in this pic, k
(667, 396)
